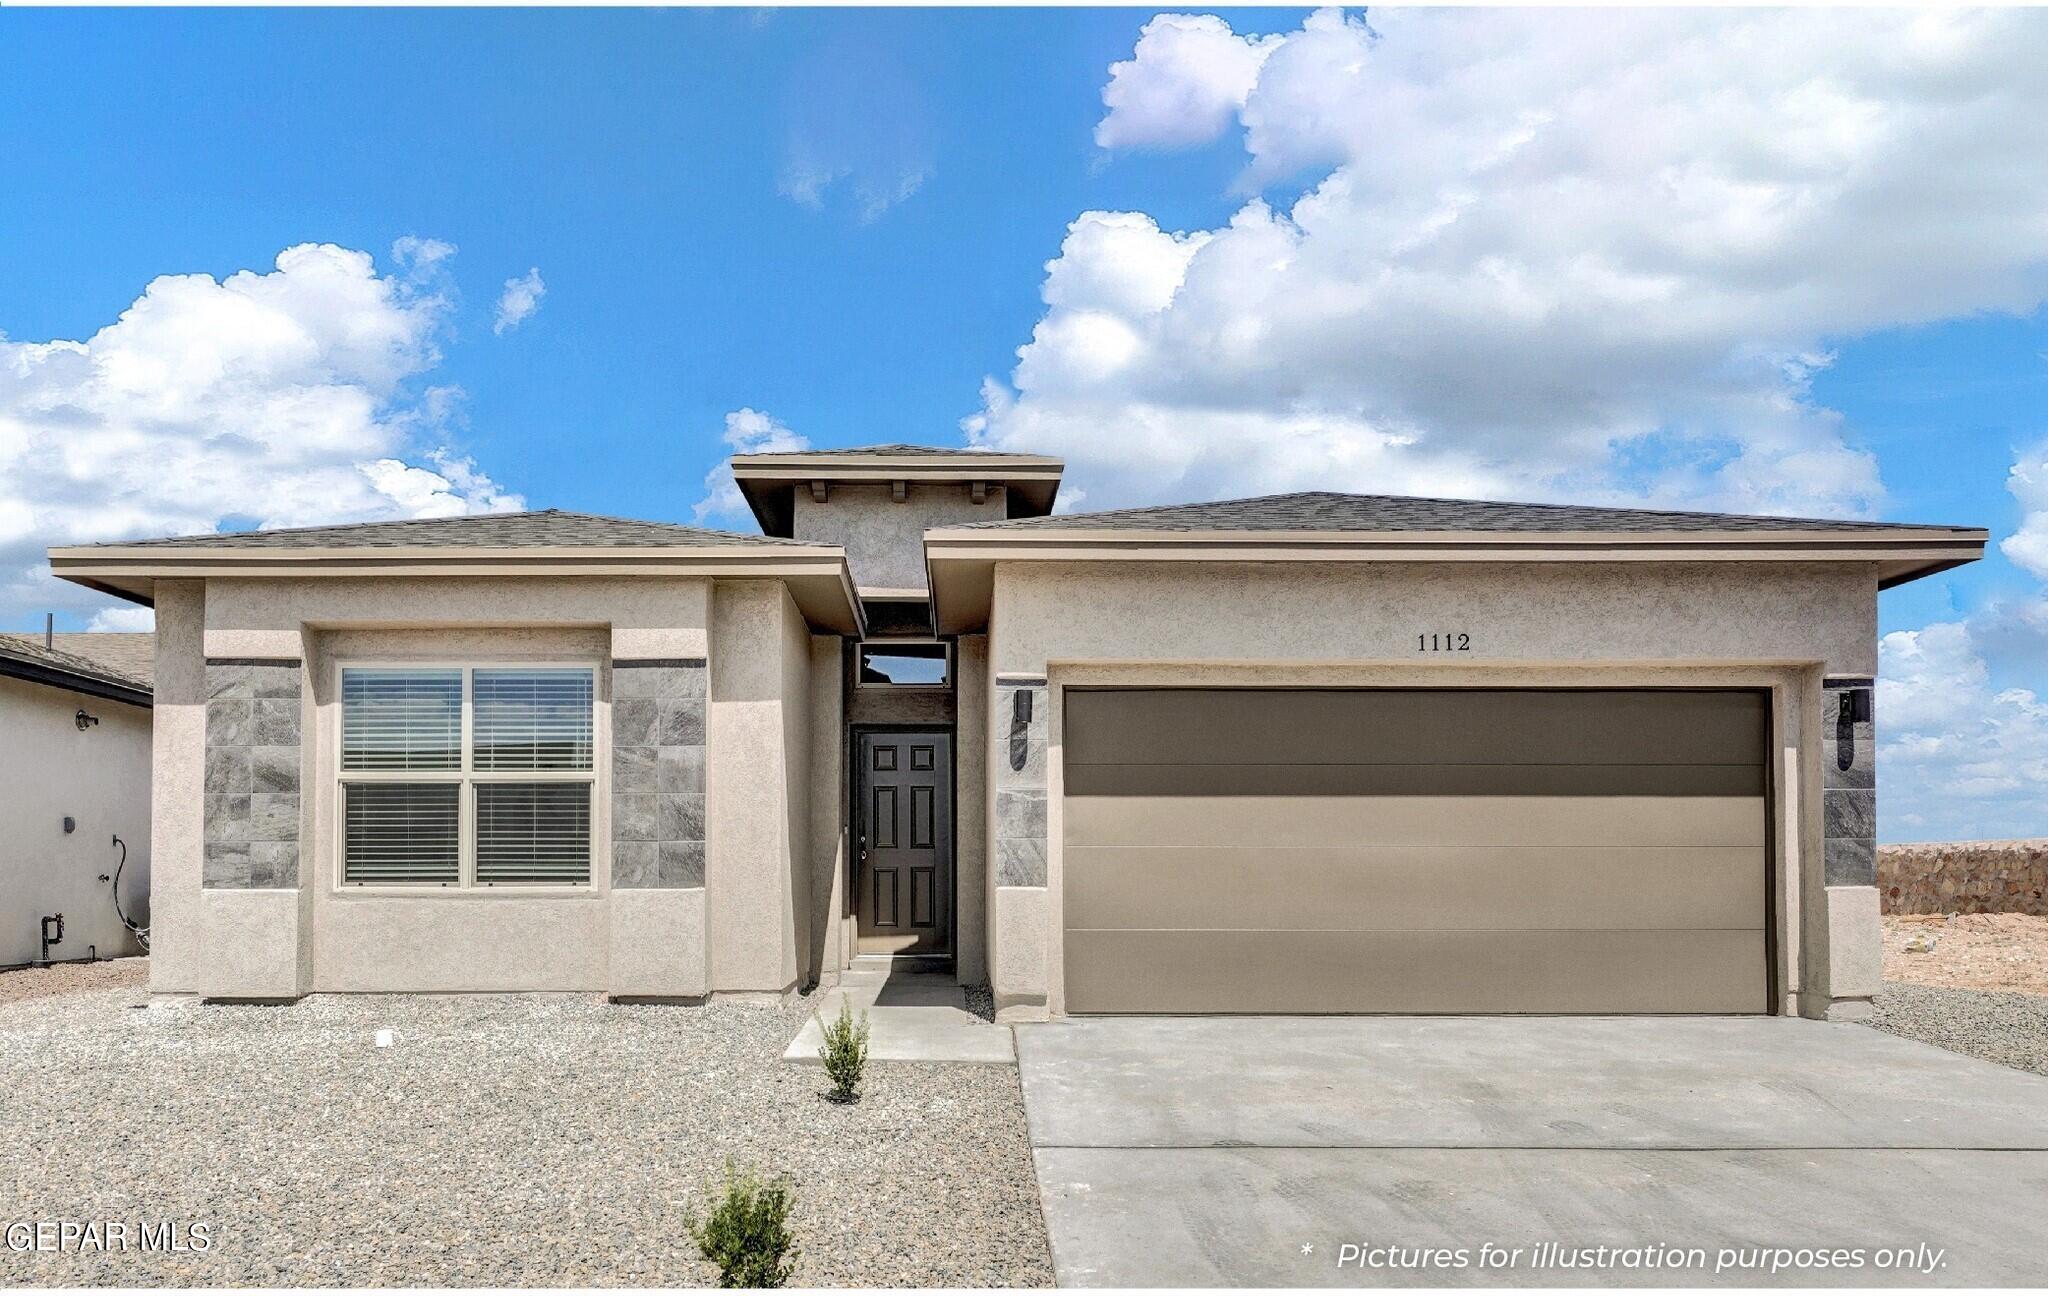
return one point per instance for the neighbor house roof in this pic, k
(550, 542)
(769, 481)
(84, 663)
(1323, 526)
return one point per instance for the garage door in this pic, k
(1425, 851)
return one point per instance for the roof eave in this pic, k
(959, 561)
(768, 481)
(817, 575)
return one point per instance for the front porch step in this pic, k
(912, 1017)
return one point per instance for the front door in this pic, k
(904, 834)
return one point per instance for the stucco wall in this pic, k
(99, 777)
(884, 540)
(646, 617)
(758, 792)
(177, 789)
(1533, 612)
(742, 930)
(970, 780)
(831, 917)
(366, 940)
(796, 701)
(1781, 627)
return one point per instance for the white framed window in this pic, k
(467, 776)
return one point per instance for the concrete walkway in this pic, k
(1294, 1151)
(912, 1017)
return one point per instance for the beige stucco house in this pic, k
(1305, 753)
(74, 795)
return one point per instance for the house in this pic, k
(1303, 753)
(74, 795)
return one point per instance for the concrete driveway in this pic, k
(1289, 1151)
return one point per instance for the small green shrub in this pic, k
(746, 1230)
(844, 1052)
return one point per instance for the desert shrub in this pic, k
(745, 1230)
(844, 1052)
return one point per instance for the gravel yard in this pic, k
(18, 984)
(511, 1141)
(1981, 989)
(1998, 1026)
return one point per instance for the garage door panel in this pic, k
(1283, 821)
(1209, 780)
(1415, 850)
(1416, 888)
(1696, 971)
(1401, 726)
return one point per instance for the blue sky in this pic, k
(634, 157)
(1286, 252)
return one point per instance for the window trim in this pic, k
(861, 646)
(467, 776)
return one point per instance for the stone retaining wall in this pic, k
(1964, 877)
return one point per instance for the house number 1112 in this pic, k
(1454, 642)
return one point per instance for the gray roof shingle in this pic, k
(126, 659)
(548, 528)
(1330, 511)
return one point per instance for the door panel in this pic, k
(1415, 851)
(1290, 821)
(1418, 972)
(905, 839)
(1417, 887)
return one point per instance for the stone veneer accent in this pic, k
(658, 714)
(1020, 730)
(1965, 877)
(252, 773)
(1849, 784)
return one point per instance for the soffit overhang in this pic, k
(817, 575)
(960, 561)
(768, 482)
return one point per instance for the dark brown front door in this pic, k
(904, 830)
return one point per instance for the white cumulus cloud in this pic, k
(1184, 84)
(420, 257)
(269, 398)
(2028, 546)
(1963, 749)
(123, 620)
(747, 431)
(1959, 756)
(519, 300)
(1548, 254)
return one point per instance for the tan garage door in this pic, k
(1445, 850)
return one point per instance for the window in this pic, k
(913, 665)
(466, 777)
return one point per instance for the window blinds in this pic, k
(404, 818)
(532, 719)
(401, 719)
(532, 833)
(401, 832)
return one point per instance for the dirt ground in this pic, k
(1971, 951)
(69, 978)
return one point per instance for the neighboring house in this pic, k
(74, 777)
(1306, 753)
